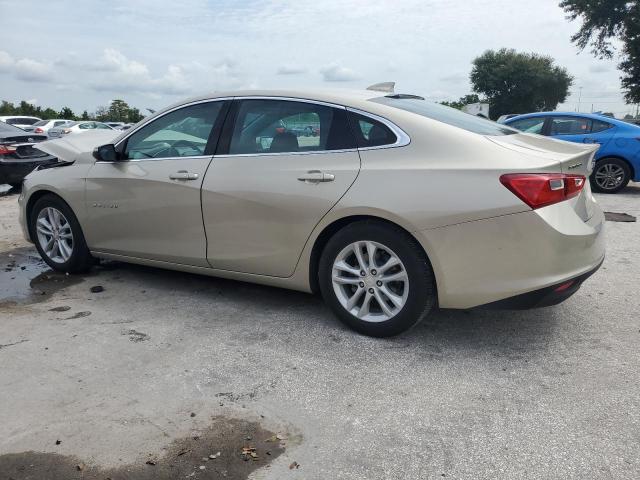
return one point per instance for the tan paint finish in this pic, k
(484, 243)
(258, 215)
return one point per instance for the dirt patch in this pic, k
(225, 450)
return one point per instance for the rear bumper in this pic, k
(14, 171)
(533, 252)
(545, 297)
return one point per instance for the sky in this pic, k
(151, 53)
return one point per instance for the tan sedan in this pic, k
(387, 204)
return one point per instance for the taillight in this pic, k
(39, 130)
(542, 189)
(7, 150)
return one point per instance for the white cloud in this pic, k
(599, 68)
(337, 73)
(291, 70)
(32, 71)
(32, 101)
(6, 62)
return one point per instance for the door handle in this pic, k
(183, 175)
(316, 176)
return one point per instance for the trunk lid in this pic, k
(572, 159)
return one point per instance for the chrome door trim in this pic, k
(155, 159)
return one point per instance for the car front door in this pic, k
(147, 204)
(270, 184)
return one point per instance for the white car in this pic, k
(77, 127)
(19, 121)
(43, 126)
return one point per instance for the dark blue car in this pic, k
(617, 159)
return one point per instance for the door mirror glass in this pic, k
(106, 153)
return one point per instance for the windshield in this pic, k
(6, 128)
(448, 115)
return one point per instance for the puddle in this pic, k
(225, 440)
(25, 278)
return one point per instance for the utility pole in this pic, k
(579, 99)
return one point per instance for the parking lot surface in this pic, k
(119, 382)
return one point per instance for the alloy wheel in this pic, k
(609, 176)
(370, 281)
(54, 234)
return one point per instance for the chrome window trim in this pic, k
(402, 138)
(191, 157)
(132, 131)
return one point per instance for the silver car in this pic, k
(397, 206)
(77, 127)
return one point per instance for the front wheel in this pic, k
(57, 235)
(376, 278)
(610, 175)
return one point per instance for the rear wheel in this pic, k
(58, 237)
(610, 175)
(376, 278)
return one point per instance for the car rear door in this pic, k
(270, 183)
(148, 204)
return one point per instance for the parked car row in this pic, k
(617, 160)
(62, 126)
(18, 155)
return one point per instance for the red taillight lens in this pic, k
(39, 130)
(541, 189)
(6, 150)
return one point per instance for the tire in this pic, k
(71, 254)
(338, 260)
(610, 175)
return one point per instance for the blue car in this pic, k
(617, 159)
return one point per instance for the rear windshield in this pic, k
(447, 115)
(5, 128)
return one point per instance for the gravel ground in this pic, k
(115, 376)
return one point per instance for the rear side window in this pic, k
(282, 126)
(57, 124)
(529, 125)
(570, 126)
(599, 126)
(370, 132)
(448, 115)
(22, 121)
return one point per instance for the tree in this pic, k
(465, 100)
(135, 116)
(604, 20)
(7, 108)
(118, 111)
(515, 82)
(67, 114)
(101, 114)
(85, 115)
(48, 113)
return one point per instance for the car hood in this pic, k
(72, 147)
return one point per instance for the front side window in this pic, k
(529, 125)
(570, 126)
(282, 126)
(102, 126)
(370, 132)
(181, 133)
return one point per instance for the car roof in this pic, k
(4, 117)
(592, 116)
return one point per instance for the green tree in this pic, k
(48, 113)
(118, 111)
(465, 100)
(101, 114)
(7, 108)
(515, 82)
(135, 116)
(67, 114)
(85, 116)
(604, 20)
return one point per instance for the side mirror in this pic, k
(106, 153)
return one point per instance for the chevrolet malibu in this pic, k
(397, 206)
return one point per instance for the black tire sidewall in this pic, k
(80, 260)
(422, 291)
(613, 161)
